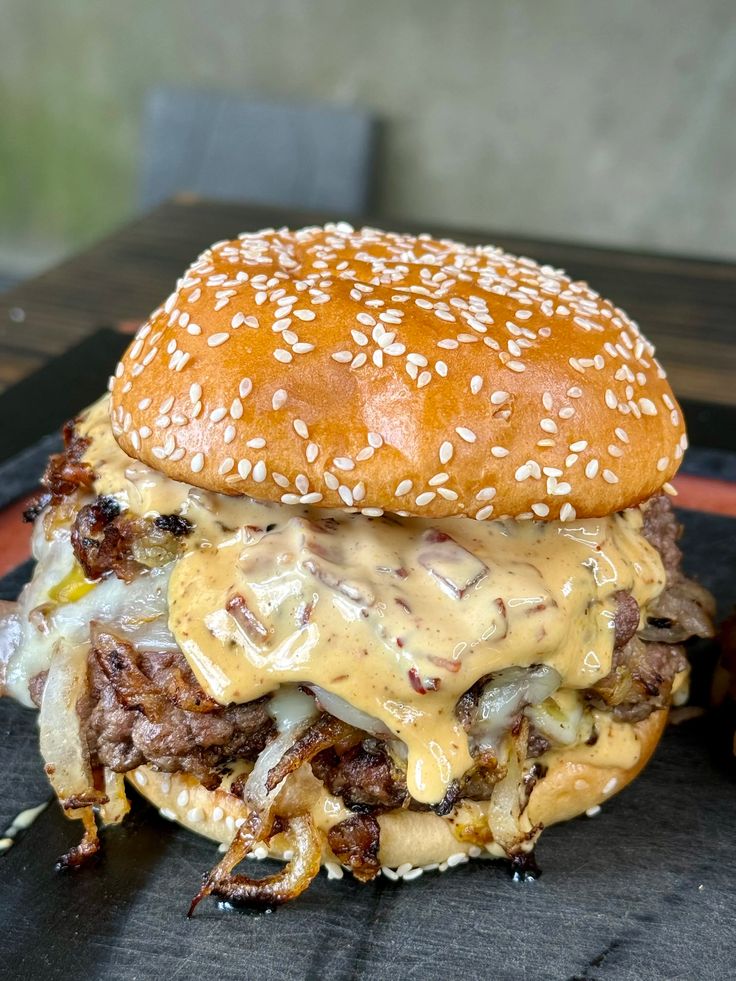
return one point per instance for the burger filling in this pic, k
(404, 663)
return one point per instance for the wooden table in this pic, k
(687, 307)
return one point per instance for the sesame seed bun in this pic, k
(575, 782)
(382, 371)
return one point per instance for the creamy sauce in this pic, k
(397, 616)
(21, 823)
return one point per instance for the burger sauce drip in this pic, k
(406, 614)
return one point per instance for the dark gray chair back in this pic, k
(225, 147)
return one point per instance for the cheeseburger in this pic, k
(366, 560)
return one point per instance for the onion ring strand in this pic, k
(272, 890)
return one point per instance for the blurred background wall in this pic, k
(608, 122)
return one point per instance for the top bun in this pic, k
(374, 370)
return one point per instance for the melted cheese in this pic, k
(397, 616)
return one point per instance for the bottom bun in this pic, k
(576, 780)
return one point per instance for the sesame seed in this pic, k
(343, 463)
(218, 414)
(578, 446)
(499, 451)
(346, 495)
(245, 388)
(313, 498)
(476, 383)
(499, 397)
(259, 472)
(610, 477)
(226, 466)
(215, 340)
(342, 357)
(548, 425)
(426, 498)
(484, 512)
(465, 434)
(541, 509)
(312, 452)
(305, 315)
(648, 408)
(282, 355)
(567, 512)
(197, 463)
(446, 451)
(591, 469)
(331, 480)
(403, 488)
(279, 398)
(486, 494)
(375, 440)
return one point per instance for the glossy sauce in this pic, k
(397, 616)
(22, 822)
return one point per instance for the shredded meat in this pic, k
(149, 708)
(355, 843)
(65, 473)
(640, 680)
(645, 662)
(107, 541)
(102, 540)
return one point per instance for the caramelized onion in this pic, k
(62, 746)
(344, 710)
(509, 799)
(272, 890)
(325, 732)
(259, 798)
(506, 693)
(64, 749)
(117, 805)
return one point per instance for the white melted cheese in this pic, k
(396, 616)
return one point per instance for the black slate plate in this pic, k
(647, 889)
(644, 890)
